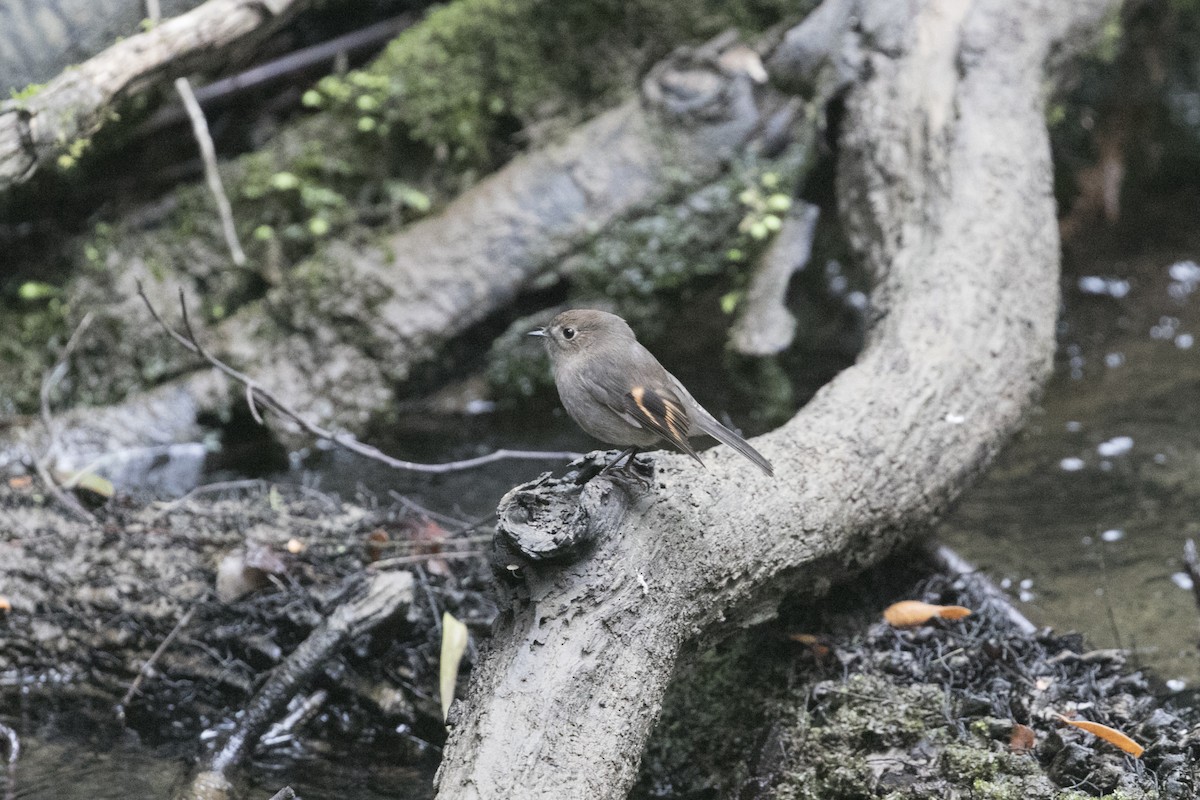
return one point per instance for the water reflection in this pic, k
(1085, 515)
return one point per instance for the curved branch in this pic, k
(945, 185)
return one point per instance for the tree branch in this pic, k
(76, 104)
(945, 191)
(257, 395)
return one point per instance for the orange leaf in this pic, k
(5, 605)
(1110, 735)
(20, 483)
(908, 613)
(813, 642)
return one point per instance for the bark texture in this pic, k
(73, 106)
(945, 191)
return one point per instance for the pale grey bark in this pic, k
(41, 37)
(945, 191)
(75, 105)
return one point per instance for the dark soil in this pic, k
(859, 709)
(91, 602)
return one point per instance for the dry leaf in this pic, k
(812, 641)
(454, 643)
(5, 605)
(20, 483)
(88, 481)
(236, 578)
(377, 542)
(908, 613)
(428, 538)
(1110, 735)
(1023, 738)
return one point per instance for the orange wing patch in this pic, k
(662, 414)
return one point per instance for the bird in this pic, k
(618, 392)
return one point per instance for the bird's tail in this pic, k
(726, 436)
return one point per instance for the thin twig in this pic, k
(208, 152)
(285, 729)
(399, 561)
(55, 375)
(225, 90)
(14, 752)
(150, 662)
(49, 381)
(1192, 562)
(265, 399)
(208, 488)
(460, 525)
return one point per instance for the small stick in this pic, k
(208, 152)
(1192, 562)
(461, 525)
(14, 752)
(955, 564)
(49, 381)
(145, 670)
(270, 402)
(399, 561)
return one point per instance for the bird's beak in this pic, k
(538, 332)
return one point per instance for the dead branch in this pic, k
(764, 326)
(257, 395)
(208, 154)
(385, 595)
(220, 92)
(76, 104)
(952, 563)
(49, 381)
(136, 685)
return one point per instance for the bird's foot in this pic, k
(639, 468)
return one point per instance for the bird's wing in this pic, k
(661, 411)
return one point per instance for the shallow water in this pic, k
(68, 756)
(1084, 516)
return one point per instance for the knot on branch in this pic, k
(698, 84)
(554, 519)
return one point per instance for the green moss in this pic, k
(32, 323)
(476, 72)
(73, 152)
(26, 93)
(670, 257)
(854, 726)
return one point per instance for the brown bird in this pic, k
(616, 390)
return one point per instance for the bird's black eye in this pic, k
(568, 333)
